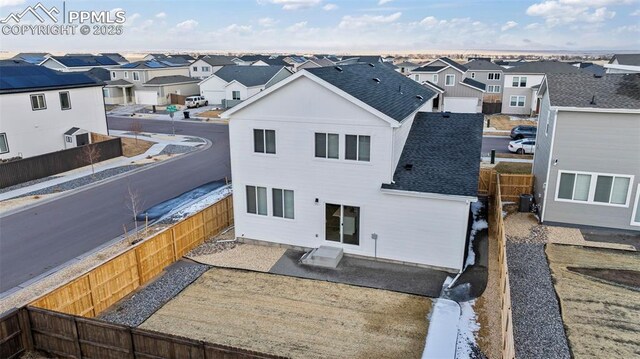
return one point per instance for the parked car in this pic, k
(195, 101)
(523, 146)
(523, 131)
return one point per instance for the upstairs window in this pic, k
(449, 80)
(473, 75)
(357, 148)
(206, 68)
(264, 141)
(435, 79)
(494, 76)
(235, 95)
(126, 74)
(136, 76)
(38, 102)
(327, 145)
(65, 101)
(113, 74)
(519, 81)
(517, 101)
(195, 69)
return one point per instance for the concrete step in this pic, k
(323, 256)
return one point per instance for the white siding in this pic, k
(418, 230)
(31, 133)
(213, 90)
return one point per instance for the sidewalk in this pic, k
(161, 143)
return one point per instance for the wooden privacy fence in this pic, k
(104, 285)
(497, 231)
(69, 336)
(511, 185)
(49, 164)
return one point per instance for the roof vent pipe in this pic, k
(338, 68)
(372, 65)
(376, 79)
(446, 114)
(593, 100)
(408, 167)
(419, 97)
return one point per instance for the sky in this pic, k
(346, 26)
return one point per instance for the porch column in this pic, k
(124, 95)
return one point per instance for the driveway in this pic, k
(498, 143)
(38, 239)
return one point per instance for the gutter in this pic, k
(446, 197)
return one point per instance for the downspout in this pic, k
(462, 267)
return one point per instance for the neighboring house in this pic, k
(177, 59)
(206, 66)
(406, 67)
(351, 157)
(265, 60)
(507, 64)
(69, 63)
(589, 67)
(489, 74)
(233, 84)
(116, 57)
(461, 94)
(34, 58)
(39, 105)
(314, 62)
(624, 63)
(587, 159)
(137, 83)
(521, 84)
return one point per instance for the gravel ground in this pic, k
(242, 256)
(135, 309)
(176, 149)
(573, 236)
(537, 325)
(78, 182)
(27, 184)
(194, 139)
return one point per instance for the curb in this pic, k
(89, 186)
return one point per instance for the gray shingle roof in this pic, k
(428, 69)
(475, 84)
(543, 67)
(218, 60)
(395, 95)
(248, 75)
(115, 57)
(482, 65)
(119, 82)
(173, 79)
(434, 85)
(627, 59)
(453, 64)
(608, 91)
(444, 154)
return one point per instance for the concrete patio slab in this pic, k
(367, 273)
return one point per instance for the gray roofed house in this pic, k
(31, 57)
(475, 84)
(543, 67)
(624, 63)
(453, 63)
(407, 66)
(378, 86)
(69, 63)
(170, 80)
(429, 68)
(482, 65)
(249, 75)
(115, 57)
(207, 65)
(24, 77)
(99, 74)
(218, 60)
(586, 164)
(422, 167)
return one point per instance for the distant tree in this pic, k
(90, 154)
(136, 128)
(134, 204)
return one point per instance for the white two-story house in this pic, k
(43, 110)
(208, 65)
(353, 157)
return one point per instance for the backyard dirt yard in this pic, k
(506, 123)
(132, 147)
(211, 114)
(599, 291)
(298, 318)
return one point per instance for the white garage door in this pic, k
(461, 104)
(214, 97)
(146, 97)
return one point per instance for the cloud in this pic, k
(4, 3)
(532, 26)
(627, 28)
(297, 26)
(237, 29)
(558, 12)
(161, 15)
(267, 22)
(382, 2)
(635, 13)
(329, 7)
(144, 26)
(353, 22)
(186, 26)
(292, 4)
(130, 18)
(429, 21)
(509, 25)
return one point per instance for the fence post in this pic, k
(76, 336)
(25, 328)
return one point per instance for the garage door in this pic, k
(214, 97)
(461, 104)
(146, 97)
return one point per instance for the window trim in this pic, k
(357, 159)
(524, 103)
(6, 142)
(135, 74)
(44, 101)
(264, 141)
(636, 204)
(284, 211)
(473, 75)
(493, 76)
(326, 146)
(233, 92)
(592, 188)
(246, 187)
(453, 83)
(113, 75)
(195, 68)
(126, 74)
(205, 68)
(68, 99)
(435, 79)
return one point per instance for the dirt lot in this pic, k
(506, 123)
(514, 167)
(132, 147)
(600, 299)
(294, 317)
(211, 114)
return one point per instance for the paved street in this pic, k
(38, 239)
(495, 143)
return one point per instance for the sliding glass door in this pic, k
(342, 224)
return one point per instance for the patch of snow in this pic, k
(202, 203)
(467, 329)
(443, 330)
(477, 225)
(517, 118)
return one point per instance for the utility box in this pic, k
(526, 203)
